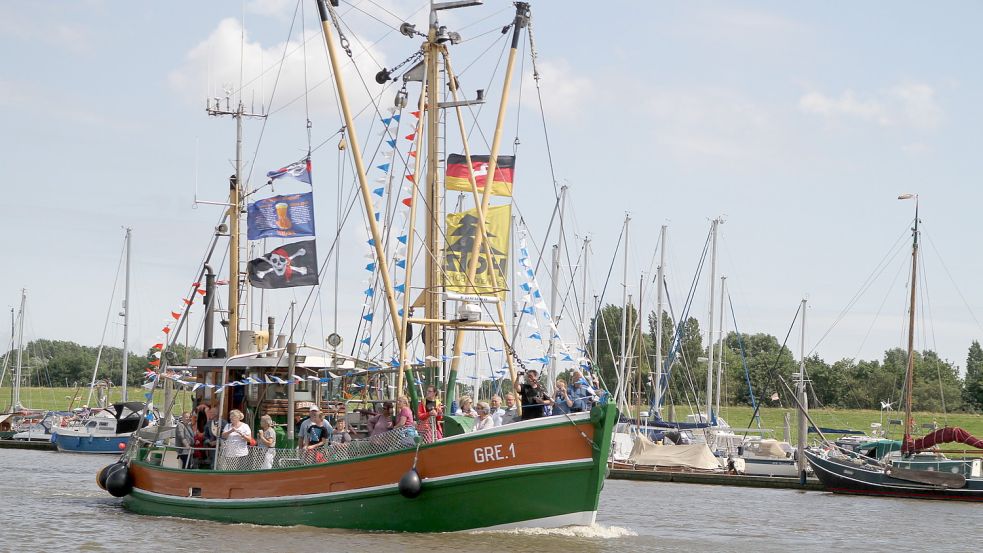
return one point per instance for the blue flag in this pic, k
(300, 170)
(281, 217)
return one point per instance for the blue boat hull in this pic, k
(91, 444)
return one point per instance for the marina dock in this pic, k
(715, 479)
(27, 444)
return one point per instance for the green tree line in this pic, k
(845, 383)
(63, 363)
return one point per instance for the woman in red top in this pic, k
(430, 414)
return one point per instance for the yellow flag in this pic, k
(461, 231)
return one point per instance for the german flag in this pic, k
(457, 173)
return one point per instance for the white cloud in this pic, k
(214, 66)
(566, 91)
(714, 125)
(904, 105)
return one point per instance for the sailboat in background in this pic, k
(20, 422)
(916, 471)
(106, 430)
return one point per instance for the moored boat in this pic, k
(914, 473)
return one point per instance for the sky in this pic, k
(798, 123)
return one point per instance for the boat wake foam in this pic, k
(596, 531)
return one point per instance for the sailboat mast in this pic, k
(720, 344)
(16, 406)
(126, 314)
(803, 400)
(713, 286)
(660, 276)
(555, 291)
(583, 290)
(910, 371)
(622, 372)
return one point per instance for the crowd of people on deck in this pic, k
(197, 434)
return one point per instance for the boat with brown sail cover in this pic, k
(436, 477)
(919, 472)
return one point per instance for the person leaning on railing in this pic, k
(237, 436)
(317, 435)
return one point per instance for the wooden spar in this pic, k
(433, 337)
(481, 212)
(410, 242)
(910, 372)
(521, 17)
(363, 180)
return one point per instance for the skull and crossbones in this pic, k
(281, 263)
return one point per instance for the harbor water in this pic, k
(50, 502)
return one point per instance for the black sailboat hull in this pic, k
(848, 478)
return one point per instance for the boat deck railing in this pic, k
(265, 458)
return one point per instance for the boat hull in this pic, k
(848, 478)
(542, 473)
(81, 443)
(770, 467)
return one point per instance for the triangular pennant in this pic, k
(384, 167)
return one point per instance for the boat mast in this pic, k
(583, 292)
(555, 292)
(622, 384)
(520, 21)
(363, 180)
(16, 406)
(234, 215)
(126, 313)
(660, 286)
(802, 420)
(641, 350)
(433, 334)
(720, 345)
(713, 285)
(906, 445)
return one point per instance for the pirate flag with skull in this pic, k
(289, 265)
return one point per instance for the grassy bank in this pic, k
(59, 399)
(738, 417)
(851, 419)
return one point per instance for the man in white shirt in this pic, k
(496, 410)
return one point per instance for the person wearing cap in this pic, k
(305, 426)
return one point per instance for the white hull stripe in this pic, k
(359, 491)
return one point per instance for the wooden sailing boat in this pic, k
(914, 475)
(395, 481)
